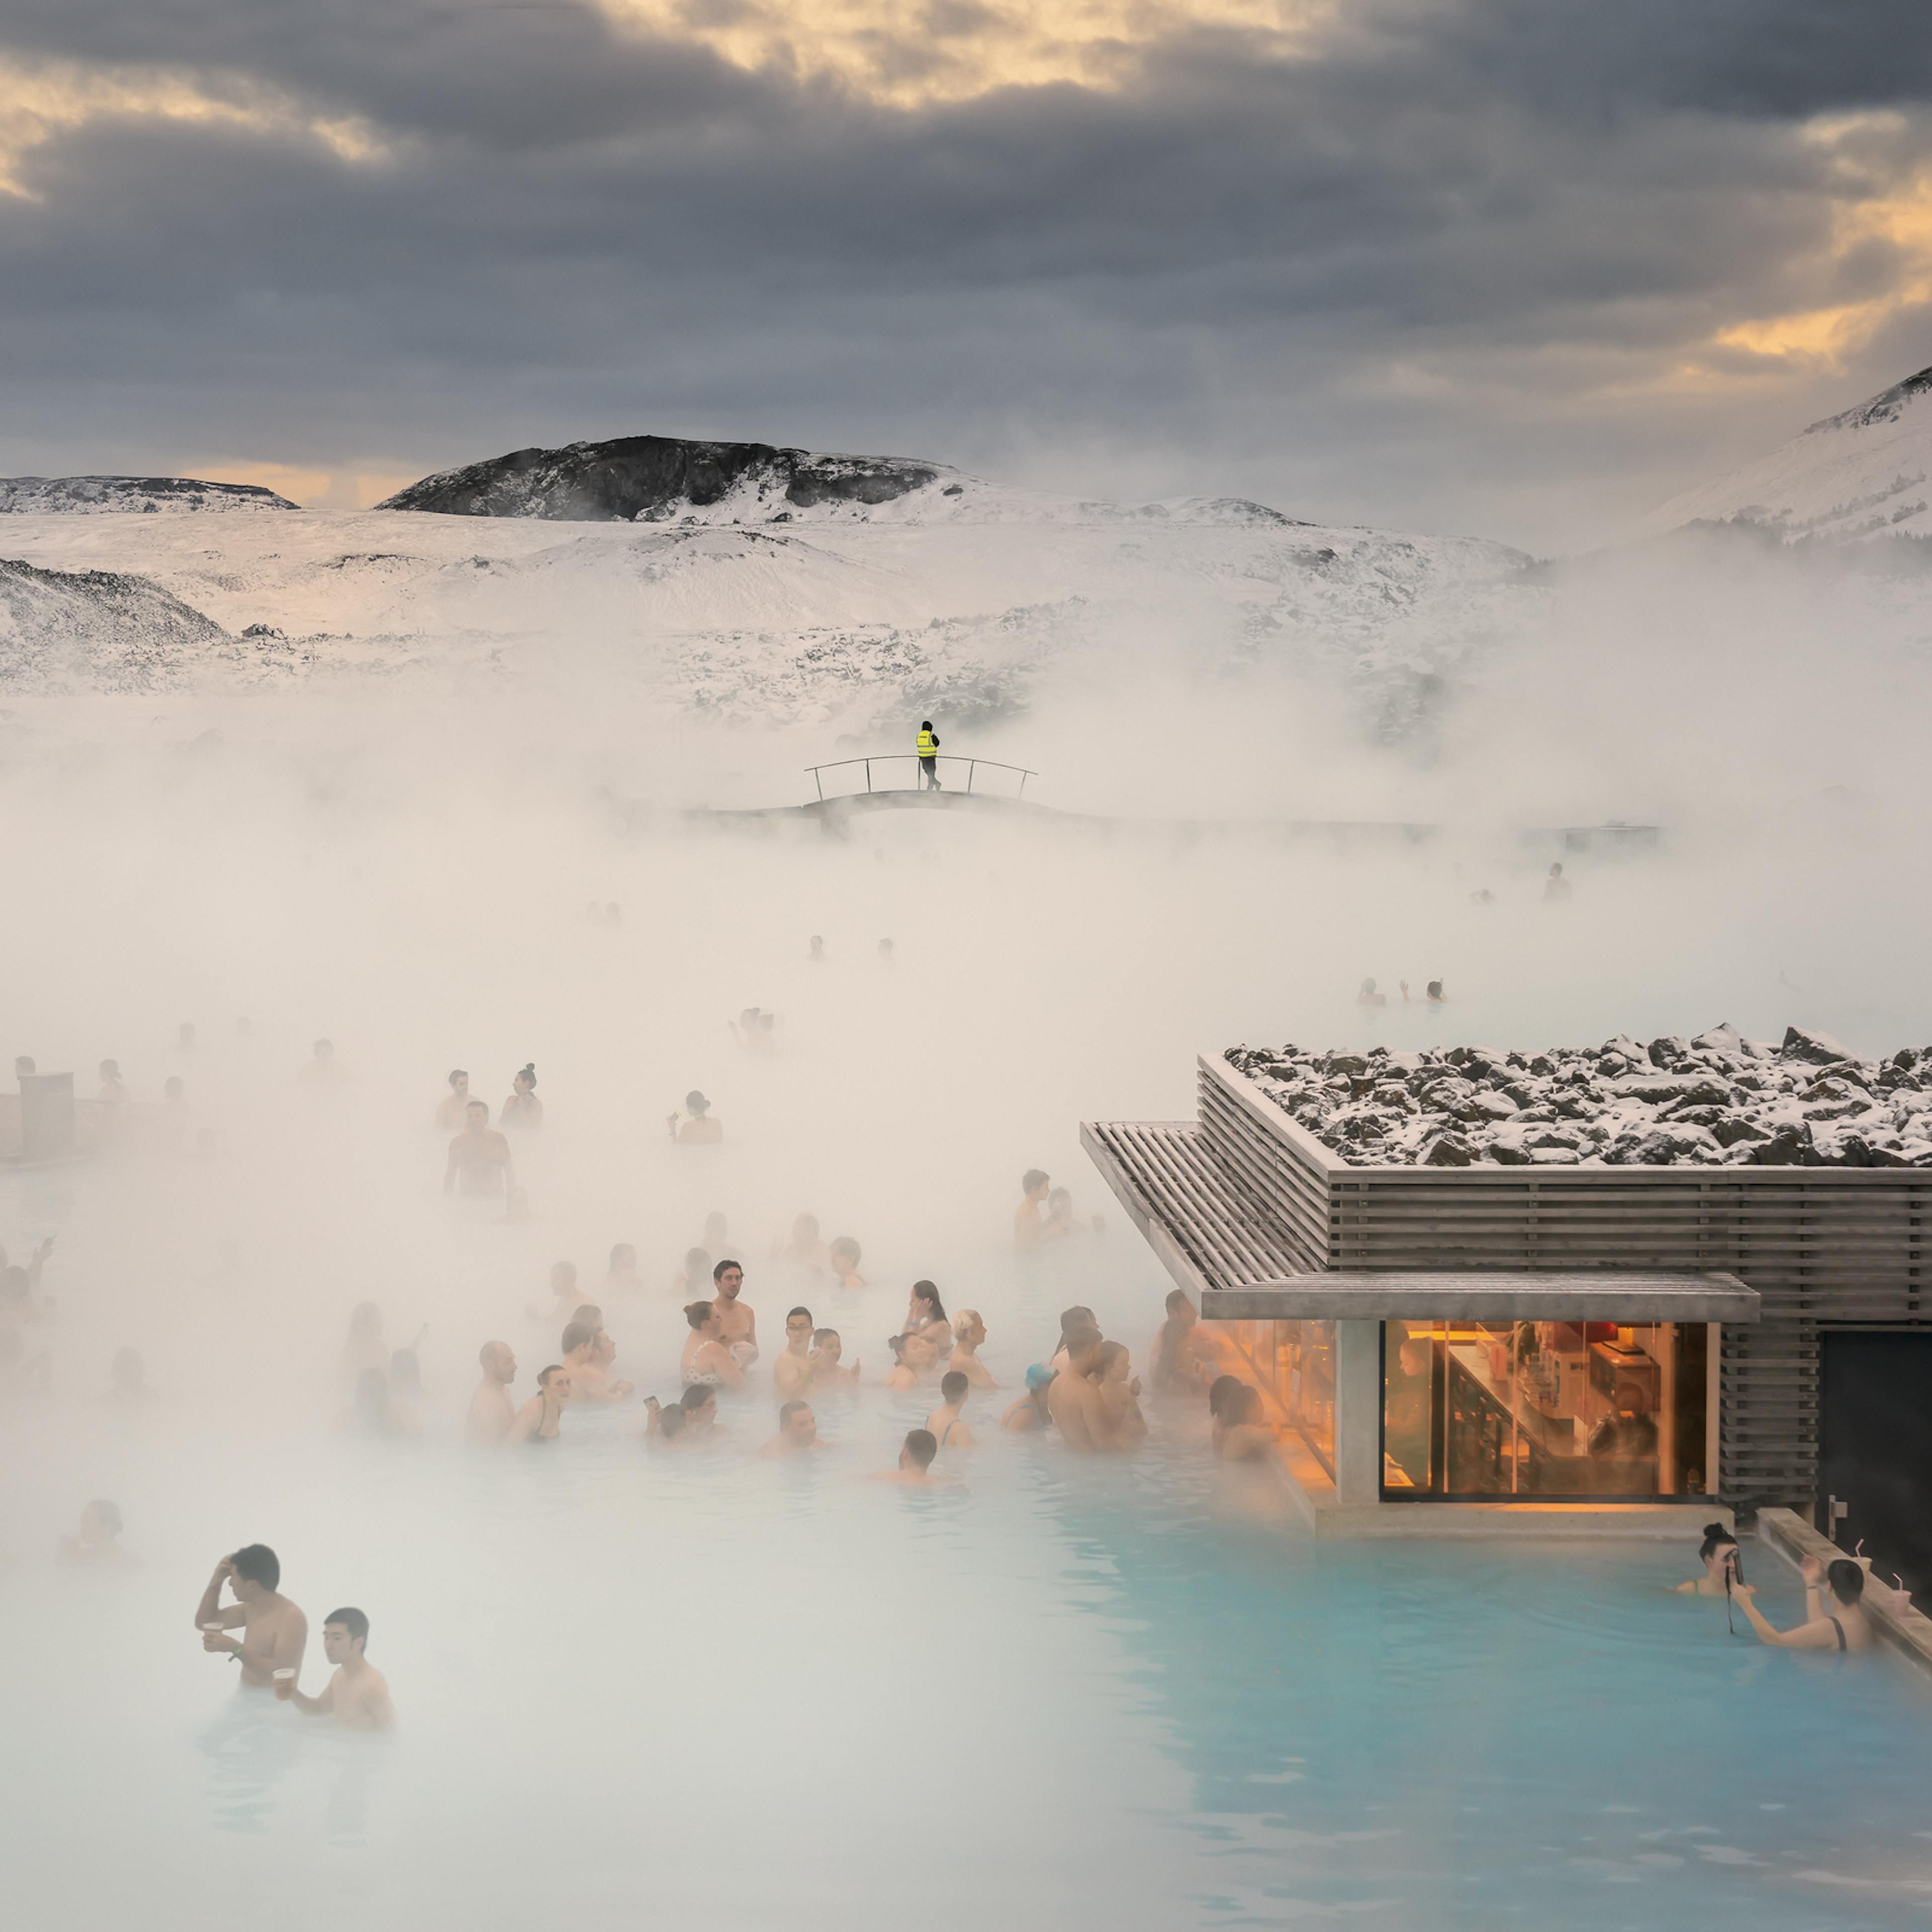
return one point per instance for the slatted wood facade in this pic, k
(1823, 1247)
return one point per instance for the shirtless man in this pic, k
(826, 1351)
(1173, 1363)
(918, 1361)
(916, 1457)
(479, 1157)
(1029, 1221)
(274, 1633)
(490, 1411)
(585, 1359)
(791, 1373)
(798, 1432)
(537, 1421)
(946, 1423)
(358, 1696)
(1073, 1401)
(450, 1110)
(741, 1326)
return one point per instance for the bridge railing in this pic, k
(912, 781)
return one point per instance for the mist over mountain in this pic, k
(1864, 473)
(115, 496)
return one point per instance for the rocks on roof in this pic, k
(1717, 1100)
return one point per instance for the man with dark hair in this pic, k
(916, 1455)
(798, 1431)
(449, 1110)
(1029, 1227)
(491, 1412)
(947, 1424)
(827, 1361)
(274, 1633)
(358, 1695)
(791, 1373)
(537, 1421)
(740, 1325)
(1073, 1401)
(479, 1157)
(588, 1351)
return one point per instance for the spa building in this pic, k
(1468, 1330)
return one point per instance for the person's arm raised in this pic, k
(1818, 1636)
(209, 1611)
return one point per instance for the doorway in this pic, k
(1875, 1449)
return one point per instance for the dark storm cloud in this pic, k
(1227, 274)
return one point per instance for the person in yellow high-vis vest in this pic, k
(927, 745)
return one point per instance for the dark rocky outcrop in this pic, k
(654, 478)
(107, 496)
(98, 630)
(1716, 1100)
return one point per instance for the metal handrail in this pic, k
(889, 757)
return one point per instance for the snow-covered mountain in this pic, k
(102, 631)
(779, 585)
(114, 496)
(1864, 474)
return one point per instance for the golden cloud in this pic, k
(906, 53)
(41, 100)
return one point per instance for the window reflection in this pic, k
(1544, 1408)
(1293, 1363)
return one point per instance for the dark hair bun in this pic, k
(1717, 1531)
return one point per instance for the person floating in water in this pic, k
(1031, 1412)
(274, 1633)
(791, 1373)
(916, 1455)
(826, 1358)
(1030, 1228)
(450, 1113)
(740, 1326)
(539, 1419)
(99, 1540)
(948, 1423)
(358, 1696)
(926, 744)
(522, 1109)
(1723, 1564)
(479, 1158)
(701, 1129)
(798, 1431)
(1834, 1614)
(491, 1412)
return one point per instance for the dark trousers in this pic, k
(930, 766)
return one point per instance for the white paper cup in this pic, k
(285, 1677)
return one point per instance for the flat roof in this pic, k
(1241, 1265)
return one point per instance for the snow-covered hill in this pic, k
(1863, 474)
(659, 479)
(115, 496)
(838, 611)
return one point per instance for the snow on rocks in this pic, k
(1717, 1100)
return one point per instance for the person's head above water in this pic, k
(920, 1447)
(1846, 1581)
(526, 1079)
(1078, 1316)
(257, 1570)
(797, 1424)
(1719, 1552)
(1032, 1183)
(798, 1325)
(345, 1635)
(699, 1399)
(696, 1104)
(459, 1081)
(1177, 1302)
(623, 1259)
(1083, 1347)
(953, 1385)
(476, 1113)
(969, 1329)
(555, 1380)
(23, 1064)
(926, 1303)
(844, 1250)
(1221, 1392)
(498, 1361)
(729, 1277)
(577, 1338)
(1038, 1377)
(701, 1314)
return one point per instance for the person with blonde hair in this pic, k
(969, 1332)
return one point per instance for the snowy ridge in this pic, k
(88, 630)
(121, 495)
(1864, 473)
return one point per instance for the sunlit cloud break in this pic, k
(40, 100)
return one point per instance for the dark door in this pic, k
(1875, 1450)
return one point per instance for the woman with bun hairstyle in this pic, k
(522, 1109)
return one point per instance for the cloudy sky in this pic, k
(1519, 267)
